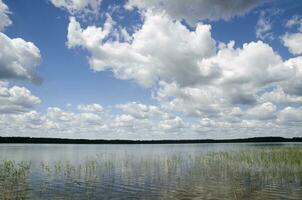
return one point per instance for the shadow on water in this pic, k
(252, 173)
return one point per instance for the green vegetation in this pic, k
(263, 159)
(256, 173)
(14, 179)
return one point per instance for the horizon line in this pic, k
(46, 140)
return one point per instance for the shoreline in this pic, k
(32, 140)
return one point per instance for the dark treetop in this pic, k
(86, 141)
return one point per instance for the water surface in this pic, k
(146, 171)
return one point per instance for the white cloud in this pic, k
(16, 99)
(290, 116)
(241, 74)
(193, 11)
(204, 90)
(124, 120)
(138, 110)
(88, 38)
(57, 114)
(172, 124)
(18, 59)
(254, 65)
(278, 96)
(238, 90)
(78, 7)
(66, 121)
(293, 42)
(177, 54)
(4, 16)
(263, 27)
(193, 101)
(263, 111)
(295, 21)
(207, 125)
(172, 53)
(66, 124)
(90, 108)
(293, 85)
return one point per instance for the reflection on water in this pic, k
(216, 171)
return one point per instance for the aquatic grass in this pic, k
(14, 179)
(261, 173)
(263, 159)
(234, 174)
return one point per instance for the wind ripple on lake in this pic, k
(250, 173)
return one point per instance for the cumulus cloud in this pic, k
(16, 99)
(18, 59)
(84, 120)
(172, 124)
(241, 74)
(4, 16)
(78, 7)
(186, 58)
(161, 48)
(193, 11)
(56, 122)
(290, 115)
(90, 108)
(123, 120)
(139, 110)
(255, 64)
(228, 87)
(293, 85)
(193, 101)
(204, 88)
(278, 96)
(293, 42)
(266, 110)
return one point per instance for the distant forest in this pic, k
(86, 141)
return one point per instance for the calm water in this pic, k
(160, 171)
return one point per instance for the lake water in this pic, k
(146, 171)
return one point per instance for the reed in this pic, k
(14, 179)
(236, 174)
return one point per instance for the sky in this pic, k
(151, 69)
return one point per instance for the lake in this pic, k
(151, 171)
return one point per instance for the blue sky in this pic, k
(159, 67)
(66, 74)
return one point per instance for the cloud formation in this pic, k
(225, 86)
(18, 59)
(293, 42)
(4, 16)
(90, 108)
(55, 122)
(78, 7)
(202, 87)
(139, 110)
(173, 53)
(264, 26)
(194, 11)
(16, 99)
